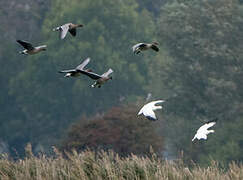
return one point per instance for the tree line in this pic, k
(198, 69)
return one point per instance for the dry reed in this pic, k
(108, 165)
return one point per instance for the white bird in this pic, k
(137, 48)
(148, 110)
(203, 131)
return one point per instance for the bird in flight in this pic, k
(69, 27)
(76, 72)
(148, 110)
(203, 131)
(29, 48)
(137, 48)
(99, 79)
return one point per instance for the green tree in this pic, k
(49, 102)
(152, 6)
(24, 22)
(204, 41)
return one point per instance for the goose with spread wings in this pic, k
(29, 49)
(99, 79)
(203, 131)
(137, 48)
(69, 27)
(148, 110)
(76, 72)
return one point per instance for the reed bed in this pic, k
(109, 165)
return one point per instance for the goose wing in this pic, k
(67, 71)
(153, 103)
(83, 64)
(155, 48)
(64, 30)
(149, 114)
(106, 74)
(200, 136)
(73, 31)
(25, 44)
(91, 74)
(206, 126)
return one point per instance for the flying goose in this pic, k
(203, 131)
(67, 27)
(99, 79)
(29, 49)
(137, 48)
(76, 72)
(148, 110)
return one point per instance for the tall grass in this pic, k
(108, 165)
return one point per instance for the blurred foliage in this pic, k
(204, 41)
(152, 6)
(198, 70)
(44, 101)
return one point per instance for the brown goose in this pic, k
(76, 72)
(69, 27)
(137, 48)
(99, 79)
(29, 49)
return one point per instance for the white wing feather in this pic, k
(64, 30)
(149, 113)
(107, 73)
(83, 64)
(206, 126)
(200, 136)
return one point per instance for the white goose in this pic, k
(203, 131)
(148, 110)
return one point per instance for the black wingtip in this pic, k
(151, 119)
(155, 48)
